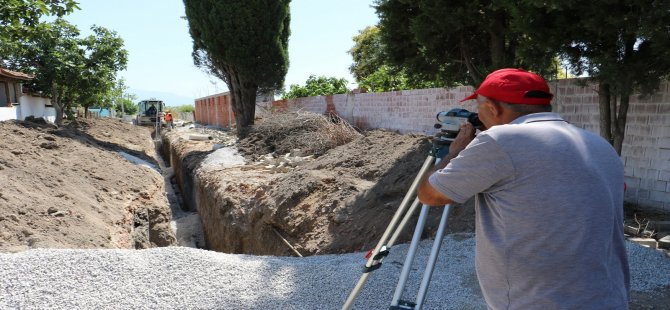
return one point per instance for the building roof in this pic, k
(15, 75)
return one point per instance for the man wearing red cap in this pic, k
(549, 201)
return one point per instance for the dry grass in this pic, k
(312, 133)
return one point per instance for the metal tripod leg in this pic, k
(381, 250)
(409, 259)
(396, 303)
(434, 253)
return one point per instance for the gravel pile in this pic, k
(187, 278)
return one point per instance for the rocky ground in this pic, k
(72, 187)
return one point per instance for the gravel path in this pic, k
(187, 278)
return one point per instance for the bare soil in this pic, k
(68, 187)
(349, 195)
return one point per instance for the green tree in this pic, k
(245, 44)
(104, 58)
(19, 19)
(455, 42)
(187, 108)
(124, 102)
(372, 69)
(68, 68)
(624, 46)
(28, 12)
(54, 57)
(317, 86)
(367, 53)
(390, 78)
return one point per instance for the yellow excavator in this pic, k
(149, 111)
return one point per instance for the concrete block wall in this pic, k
(407, 111)
(646, 148)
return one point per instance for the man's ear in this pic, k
(495, 108)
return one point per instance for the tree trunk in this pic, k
(605, 111)
(55, 101)
(472, 71)
(245, 118)
(497, 41)
(243, 102)
(619, 128)
(623, 93)
(613, 114)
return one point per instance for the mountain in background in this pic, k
(170, 99)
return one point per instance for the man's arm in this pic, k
(426, 193)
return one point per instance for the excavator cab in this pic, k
(149, 111)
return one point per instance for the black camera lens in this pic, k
(475, 121)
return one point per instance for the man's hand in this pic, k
(426, 193)
(464, 137)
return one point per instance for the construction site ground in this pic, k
(100, 183)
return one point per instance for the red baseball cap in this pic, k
(514, 86)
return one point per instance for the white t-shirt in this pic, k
(549, 224)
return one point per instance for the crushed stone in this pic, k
(186, 278)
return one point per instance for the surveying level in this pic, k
(449, 123)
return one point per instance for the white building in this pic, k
(15, 104)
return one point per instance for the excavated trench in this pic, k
(340, 203)
(185, 223)
(181, 164)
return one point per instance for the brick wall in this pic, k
(214, 110)
(646, 148)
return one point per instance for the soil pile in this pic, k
(338, 199)
(343, 201)
(70, 187)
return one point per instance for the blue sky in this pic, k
(159, 46)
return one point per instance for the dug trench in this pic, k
(283, 191)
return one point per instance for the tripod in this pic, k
(388, 239)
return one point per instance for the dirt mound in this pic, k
(311, 133)
(341, 201)
(69, 187)
(344, 200)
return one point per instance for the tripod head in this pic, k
(449, 124)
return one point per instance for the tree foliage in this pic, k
(456, 42)
(367, 52)
(28, 12)
(372, 69)
(623, 45)
(20, 18)
(123, 101)
(317, 86)
(68, 68)
(186, 108)
(54, 57)
(245, 44)
(104, 57)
